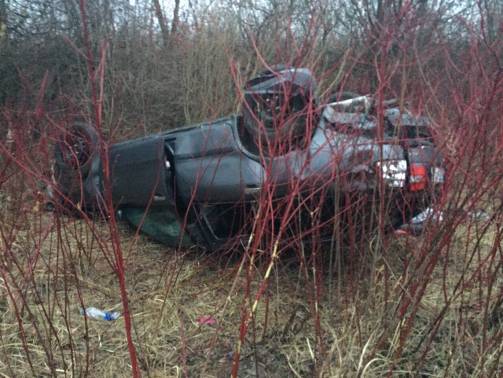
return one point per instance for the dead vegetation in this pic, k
(171, 292)
(430, 305)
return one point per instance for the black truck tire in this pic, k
(73, 154)
(76, 148)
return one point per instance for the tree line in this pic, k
(168, 64)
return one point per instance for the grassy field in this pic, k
(187, 308)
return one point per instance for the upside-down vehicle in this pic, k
(203, 184)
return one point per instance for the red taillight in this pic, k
(418, 177)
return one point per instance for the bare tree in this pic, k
(163, 23)
(3, 21)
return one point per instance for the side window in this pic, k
(418, 132)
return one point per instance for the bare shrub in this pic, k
(363, 302)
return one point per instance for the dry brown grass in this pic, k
(170, 290)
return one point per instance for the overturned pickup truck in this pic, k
(203, 184)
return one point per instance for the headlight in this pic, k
(393, 172)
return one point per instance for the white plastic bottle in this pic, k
(95, 313)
